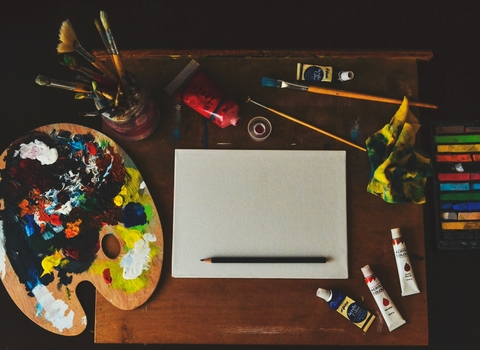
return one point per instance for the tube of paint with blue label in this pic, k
(347, 307)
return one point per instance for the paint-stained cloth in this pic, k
(399, 170)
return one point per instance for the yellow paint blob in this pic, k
(50, 262)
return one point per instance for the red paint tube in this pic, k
(198, 91)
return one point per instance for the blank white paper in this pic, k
(259, 203)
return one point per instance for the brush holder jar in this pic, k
(134, 120)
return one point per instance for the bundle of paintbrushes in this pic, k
(114, 92)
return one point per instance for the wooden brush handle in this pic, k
(100, 66)
(360, 96)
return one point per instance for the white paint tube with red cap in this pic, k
(389, 311)
(408, 283)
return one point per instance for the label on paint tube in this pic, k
(408, 282)
(347, 307)
(325, 74)
(389, 311)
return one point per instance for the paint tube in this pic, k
(198, 91)
(408, 283)
(312, 72)
(347, 307)
(389, 311)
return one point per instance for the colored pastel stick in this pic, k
(456, 148)
(475, 176)
(449, 215)
(454, 158)
(462, 196)
(466, 206)
(476, 157)
(457, 139)
(475, 186)
(454, 176)
(474, 215)
(472, 128)
(461, 225)
(447, 205)
(452, 186)
(449, 129)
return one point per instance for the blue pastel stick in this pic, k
(467, 206)
(448, 205)
(461, 206)
(451, 186)
(475, 186)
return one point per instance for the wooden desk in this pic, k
(265, 311)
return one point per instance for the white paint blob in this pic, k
(55, 310)
(39, 151)
(137, 259)
(3, 254)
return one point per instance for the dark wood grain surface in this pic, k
(29, 35)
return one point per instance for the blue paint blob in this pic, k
(134, 215)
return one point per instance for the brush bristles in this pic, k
(67, 38)
(42, 80)
(104, 19)
(269, 82)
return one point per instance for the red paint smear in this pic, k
(454, 177)
(72, 253)
(91, 148)
(107, 277)
(454, 158)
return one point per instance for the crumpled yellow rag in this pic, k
(399, 171)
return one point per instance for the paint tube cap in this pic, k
(259, 128)
(367, 271)
(396, 233)
(325, 294)
(345, 75)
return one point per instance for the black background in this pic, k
(29, 36)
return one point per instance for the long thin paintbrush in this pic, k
(307, 125)
(69, 43)
(62, 84)
(71, 62)
(75, 86)
(281, 84)
(112, 50)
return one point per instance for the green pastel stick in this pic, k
(460, 196)
(457, 138)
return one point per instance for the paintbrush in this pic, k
(62, 84)
(69, 43)
(75, 86)
(307, 125)
(281, 84)
(71, 62)
(113, 51)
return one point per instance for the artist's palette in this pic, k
(73, 208)
(456, 152)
